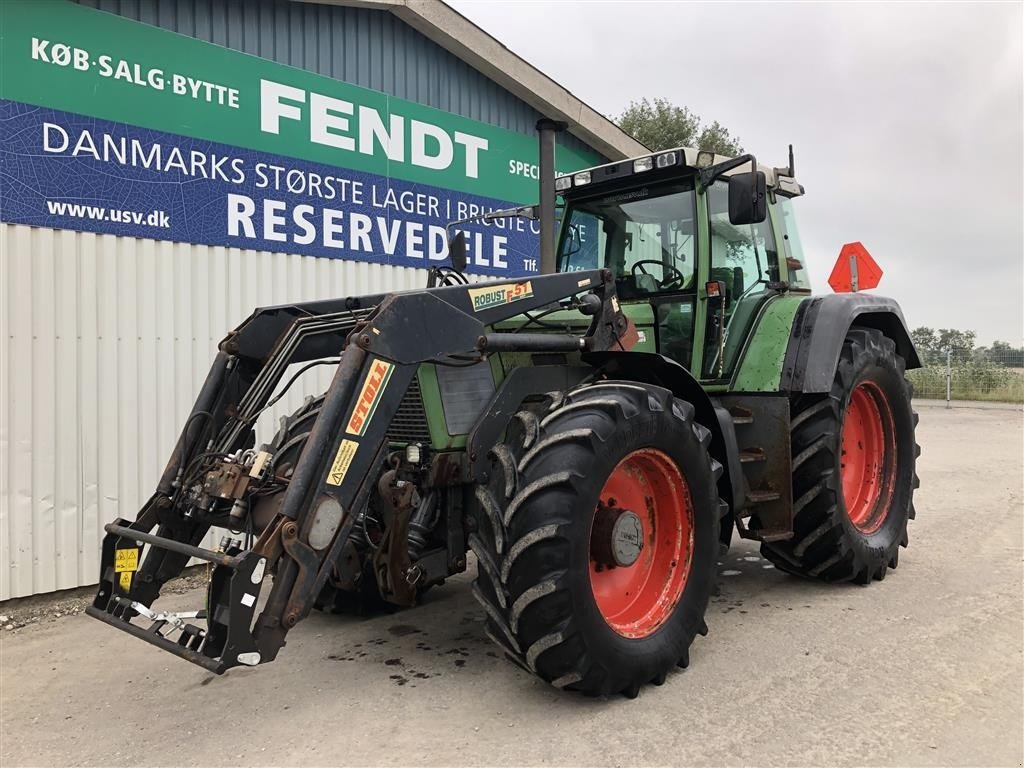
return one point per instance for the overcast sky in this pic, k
(906, 121)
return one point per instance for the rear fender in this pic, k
(819, 328)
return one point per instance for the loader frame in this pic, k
(383, 339)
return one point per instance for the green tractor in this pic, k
(594, 436)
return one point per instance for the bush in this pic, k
(974, 380)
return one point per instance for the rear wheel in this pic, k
(853, 468)
(597, 538)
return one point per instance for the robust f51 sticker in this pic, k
(499, 295)
(369, 396)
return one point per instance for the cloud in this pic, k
(906, 119)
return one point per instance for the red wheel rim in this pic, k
(635, 600)
(866, 465)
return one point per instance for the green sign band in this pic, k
(57, 54)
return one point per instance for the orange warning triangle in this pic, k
(854, 260)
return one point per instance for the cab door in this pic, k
(744, 260)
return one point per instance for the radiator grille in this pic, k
(410, 422)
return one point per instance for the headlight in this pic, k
(563, 183)
(581, 178)
(414, 453)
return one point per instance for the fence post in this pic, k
(949, 376)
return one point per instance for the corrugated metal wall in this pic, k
(106, 340)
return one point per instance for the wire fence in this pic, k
(982, 375)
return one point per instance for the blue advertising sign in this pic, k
(75, 172)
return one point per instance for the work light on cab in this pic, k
(643, 164)
(666, 160)
(705, 159)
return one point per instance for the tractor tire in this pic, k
(853, 468)
(608, 490)
(291, 436)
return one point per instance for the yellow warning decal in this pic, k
(125, 580)
(126, 560)
(499, 295)
(342, 461)
(369, 396)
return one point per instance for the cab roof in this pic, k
(681, 157)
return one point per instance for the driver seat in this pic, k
(646, 283)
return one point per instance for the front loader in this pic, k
(593, 436)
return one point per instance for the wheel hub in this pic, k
(618, 537)
(641, 543)
(867, 466)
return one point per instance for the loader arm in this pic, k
(383, 340)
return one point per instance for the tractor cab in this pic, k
(698, 245)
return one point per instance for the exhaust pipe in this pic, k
(547, 130)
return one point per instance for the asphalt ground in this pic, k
(924, 668)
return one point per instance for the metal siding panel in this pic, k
(18, 415)
(6, 445)
(68, 413)
(85, 437)
(43, 448)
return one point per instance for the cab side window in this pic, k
(792, 248)
(745, 258)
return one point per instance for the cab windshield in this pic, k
(646, 236)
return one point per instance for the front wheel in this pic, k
(597, 538)
(854, 476)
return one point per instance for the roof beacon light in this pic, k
(705, 159)
(563, 183)
(665, 160)
(643, 164)
(581, 178)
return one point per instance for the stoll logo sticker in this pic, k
(499, 295)
(369, 396)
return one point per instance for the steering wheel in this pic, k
(673, 278)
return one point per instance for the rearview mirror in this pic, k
(575, 241)
(748, 202)
(457, 251)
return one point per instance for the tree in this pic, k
(660, 124)
(932, 345)
(1002, 353)
(959, 343)
(926, 342)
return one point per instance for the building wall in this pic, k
(106, 339)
